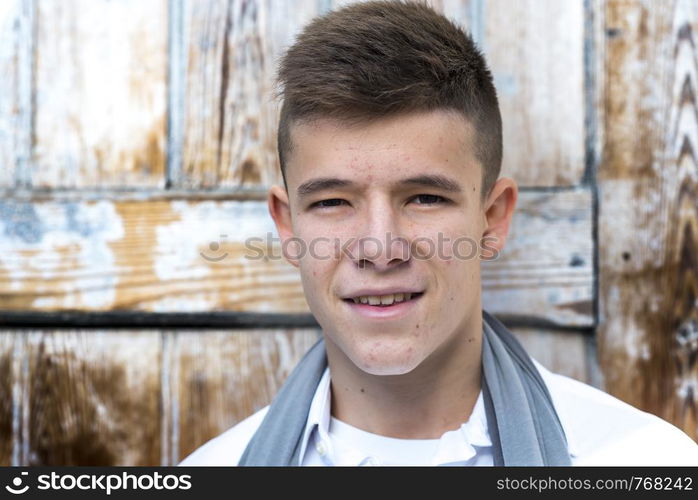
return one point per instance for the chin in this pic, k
(386, 360)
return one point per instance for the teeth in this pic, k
(384, 300)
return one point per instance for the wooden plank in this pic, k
(9, 15)
(188, 256)
(16, 19)
(535, 50)
(221, 377)
(7, 403)
(161, 256)
(100, 83)
(230, 117)
(565, 353)
(648, 207)
(94, 398)
(545, 272)
(127, 397)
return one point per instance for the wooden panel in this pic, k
(230, 116)
(143, 255)
(563, 352)
(15, 89)
(180, 256)
(100, 88)
(545, 272)
(221, 377)
(535, 49)
(648, 208)
(7, 405)
(94, 398)
(124, 397)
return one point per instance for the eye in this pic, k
(430, 199)
(333, 202)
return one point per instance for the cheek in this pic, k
(314, 270)
(453, 247)
(323, 240)
(465, 250)
(317, 262)
(457, 270)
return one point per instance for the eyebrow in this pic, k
(433, 180)
(321, 184)
(427, 180)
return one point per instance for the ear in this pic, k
(499, 209)
(280, 211)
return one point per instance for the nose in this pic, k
(381, 246)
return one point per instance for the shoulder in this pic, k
(227, 448)
(603, 430)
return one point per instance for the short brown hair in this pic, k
(382, 58)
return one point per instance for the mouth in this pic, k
(384, 300)
(391, 306)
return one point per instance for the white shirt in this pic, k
(601, 431)
(328, 441)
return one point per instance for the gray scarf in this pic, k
(522, 422)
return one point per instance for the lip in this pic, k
(394, 311)
(384, 291)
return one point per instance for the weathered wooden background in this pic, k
(137, 142)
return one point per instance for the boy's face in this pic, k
(436, 235)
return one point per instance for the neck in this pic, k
(435, 397)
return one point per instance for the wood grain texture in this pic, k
(230, 117)
(100, 92)
(6, 398)
(565, 353)
(9, 15)
(149, 256)
(128, 397)
(546, 268)
(94, 398)
(184, 256)
(648, 208)
(222, 377)
(535, 50)
(16, 24)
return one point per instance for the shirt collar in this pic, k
(459, 445)
(319, 413)
(456, 445)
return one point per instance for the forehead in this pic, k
(384, 149)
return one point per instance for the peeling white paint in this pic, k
(100, 92)
(188, 303)
(74, 247)
(180, 244)
(538, 61)
(9, 12)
